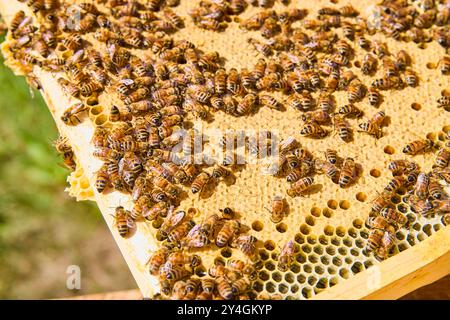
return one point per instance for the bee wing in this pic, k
(288, 249)
(130, 223)
(193, 232)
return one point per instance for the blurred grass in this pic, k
(42, 230)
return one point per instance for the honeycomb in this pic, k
(79, 188)
(328, 227)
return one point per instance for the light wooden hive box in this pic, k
(328, 226)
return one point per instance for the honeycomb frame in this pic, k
(324, 258)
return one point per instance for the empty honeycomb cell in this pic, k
(437, 227)
(269, 266)
(157, 223)
(441, 136)
(313, 258)
(428, 229)
(368, 264)
(325, 260)
(299, 238)
(430, 65)
(323, 240)
(305, 229)
(332, 204)
(402, 208)
(274, 256)
(315, 212)
(294, 289)
(421, 236)
(402, 247)
(281, 227)
(335, 241)
(307, 268)
(416, 106)
(431, 136)
(200, 271)
(318, 249)
(282, 288)
(330, 250)
(357, 64)
(307, 292)
(410, 239)
(226, 253)
(354, 252)
(100, 120)
(263, 254)
(357, 267)
(333, 281)
(344, 273)
(445, 220)
(263, 275)
(322, 283)
(344, 204)
(401, 191)
(342, 251)
(270, 287)
(340, 231)
(276, 276)
(396, 199)
(300, 258)
(327, 213)
(84, 183)
(358, 223)
(306, 248)
(258, 265)
(389, 150)
(348, 260)
(416, 226)
(93, 101)
(319, 269)
(359, 243)
(311, 239)
(352, 232)
(347, 242)
(337, 261)
(312, 280)
(295, 268)
(289, 277)
(331, 270)
(364, 234)
(411, 217)
(96, 110)
(400, 235)
(446, 128)
(405, 199)
(257, 226)
(301, 278)
(310, 220)
(375, 173)
(328, 230)
(219, 261)
(361, 196)
(269, 245)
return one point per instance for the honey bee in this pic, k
(330, 170)
(270, 102)
(123, 222)
(17, 21)
(299, 187)
(355, 91)
(417, 146)
(374, 240)
(224, 288)
(369, 64)
(220, 172)
(227, 232)
(200, 182)
(442, 158)
(71, 115)
(393, 216)
(246, 105)
(261, 47)
(378, 222)
(246, 244)
(436, 190)
(380, 202)
(350, 110)
(399, 167)
(227, 213)
(441, 206)
(443, 101)
(277, 209)
(374, 97)
(157, 260)
(102, 179)
(286, 256)
(343, 128)
(421, 187)
(348, 172)
(402, 60)
(395, 183)
(331, 156)
(444, 65)
(240, 286)
(411, 78)
(313, 129)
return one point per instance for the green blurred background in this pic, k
(42, 229)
